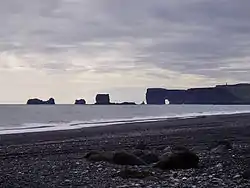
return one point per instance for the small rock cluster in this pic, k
(177, 158)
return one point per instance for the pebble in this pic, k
(184, 178)
(237, 176)
(219, 165)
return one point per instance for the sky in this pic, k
(69, 49)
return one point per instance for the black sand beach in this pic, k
(56, 159)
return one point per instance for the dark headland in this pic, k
(208, 151)
(220, 94)
(238, 94)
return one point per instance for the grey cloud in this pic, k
(193, 37)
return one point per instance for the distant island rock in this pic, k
(80, 101)
(36, 101)
(102, 99)
(125, 103)
(220, 94)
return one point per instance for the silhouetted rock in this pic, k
(135, 174)
(50, 101)
(138, 152)
(91, 153)
(124, 158)
(179, 159)
(174, 149)
(146, 155)
(80, 101)
(246, 174)
(221, 147)
(102, 99)
(141, 146)
(39, 101)
(221, 94)
(149, 158)
(99, 156)
(126, 103)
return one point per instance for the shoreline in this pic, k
(56, 159)
(69, 134)
(108, 122)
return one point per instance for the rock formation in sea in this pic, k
(80, 101)
(102, 99)
(220, 94)
(36, 101)
(126, 103)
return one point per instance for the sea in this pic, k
(37, 118)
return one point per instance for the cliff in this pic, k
(221, 94)
(39, 101)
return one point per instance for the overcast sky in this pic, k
(72, 49)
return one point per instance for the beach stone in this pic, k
(246, 174)
(125, 158)
(97, 156)
(138, 152)
(87, 155)
(236, 176)
(141, 146)
(178, 159)
(135, 174)
(146, 156)
(167, 149)
(160, 147)
(170, 150)
(221, 147)
(150, 158)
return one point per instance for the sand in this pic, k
(56, 159)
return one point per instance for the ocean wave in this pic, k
(62, 125)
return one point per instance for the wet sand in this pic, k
(56, 159)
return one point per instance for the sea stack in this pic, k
(80, 101)
(102, 99)
(36, 101)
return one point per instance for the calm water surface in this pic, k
(24, 118)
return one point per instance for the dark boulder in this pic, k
(133, 174)
(99, 156)
(150, 158)
(178, 159)
(173, 149)
(102, 99)
(147, 156)
(222, 146)
(138, 152)
(80, 101)
(125, 158)
(246, 174)
(141, 146)
(39, 101)
(89, 154)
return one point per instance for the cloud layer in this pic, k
(74, 48)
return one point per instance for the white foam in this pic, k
(43, 127)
